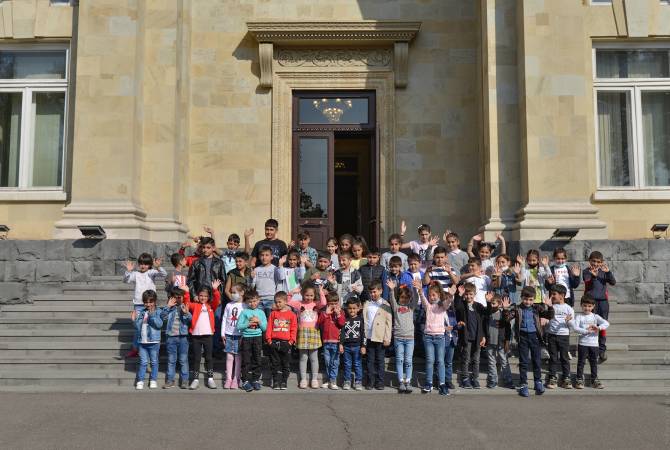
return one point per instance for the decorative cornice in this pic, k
(347, 57)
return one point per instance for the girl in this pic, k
(436, 306)
(423, 246)
(148, 324)
(309, 338)
(202, 330)
(289, 278)
(332, 246)
(230, 336)
(346, 240)
(485, 251)
(535, 274)
(403, 332)
(359, 250)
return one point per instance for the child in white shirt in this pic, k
(588, 326)
(230, 336)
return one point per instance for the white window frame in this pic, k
(636, 86)
(28, 87)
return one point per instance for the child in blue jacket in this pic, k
(148, 324)
(178, 320)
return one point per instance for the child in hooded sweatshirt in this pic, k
(331, 320)
(280, 337)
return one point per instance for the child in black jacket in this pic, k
(471, 334)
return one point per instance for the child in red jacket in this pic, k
(201, 331)
(331, 320)
(280, 336)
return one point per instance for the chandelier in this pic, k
(332, 108)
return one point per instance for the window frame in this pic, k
(638, 190)
(28, 88)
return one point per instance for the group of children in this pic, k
(351, 303)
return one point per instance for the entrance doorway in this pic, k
(335, 165)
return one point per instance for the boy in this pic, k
(330, 321)
(394, 274)
(497, 331)
(596, 278)
(277, 246)
(178, 319)
(529, 331)
(589, 326)
(558, 338)
(228, 255)
(352, 345)
(481, 282)
(177, 277)
(281, 334)
(378, 319)
(561, 274)
(265, 279)
(241, 274)
(347, 281)
(252, 323)
(371, 271)
(423, 246)
(304, 250)
(148, 324)
(471, 334)
(206, 269)
(319, 274)
(144, 278)
(441, 270)
(457, 257)
(395, 242)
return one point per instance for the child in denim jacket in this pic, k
(178, 319)
(148, 324)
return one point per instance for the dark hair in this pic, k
(532, 251)
(149, 294)
(587, 300)
(439, 250)
(414, 257)
(176, 292)
(528, 291)
(395, 237)
(475, 260)
(205, 289)
(375, 284)
(436, 287)
(243, 255)
(176, 258)
(374, 251)
(145, 259)
(596, 255)
(304, 234)
(281, 294)
(250, 294)
(423, 227)
(323, 255)
(360, 241)
(395, 260)
(332, 296)
(559, 289)
(293, 252)
(404, 291)
(333, 239)
(346, 254)
(560, 251)
(265, 248)
(469, 287)
(353, 301)
(308, 285)
(490, 245)
(347, 237)
(234, 237)
(243, 287)
(504, 255)
(453, 235)
(271, 223)
(207, 240)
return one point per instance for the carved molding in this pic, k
(376, 57)
(383, 34)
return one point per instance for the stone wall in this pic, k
(27, 268)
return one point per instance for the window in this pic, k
(632, 94)
(33, 92)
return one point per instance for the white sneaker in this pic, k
(210, 383)
(194, 385)
(153, 384)
(139, 385)
(332, 385)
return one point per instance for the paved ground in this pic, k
(335, 421)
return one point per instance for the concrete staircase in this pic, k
(79, 337)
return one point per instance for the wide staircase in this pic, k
(78, 338)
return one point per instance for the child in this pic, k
(529, 331)
(480, 281)
(596, 278)
(423, 246)
(280, 337)
(471, 334)
(393, 274)
(304, 250)
(231, 336)
(395, 243)
(177, 277)
(558, 338)
(178, 319)
(413, 271)
(288, 279)
(346, 280)
(378, 318)
(144, 278)
(319, 275)
(403, 332)
(309, 339)
(346, 241)
(533, 274)
(205, 269)
(359, 251)
(202, 329)
(485, 251)
(561, 274)
(277, 246)
(352, 345)
(450, 345)
(241, 274)
(265, 279)
(435, 306)
(589, 326)
(229, 254)
(457, 257)
(441, 271)
(252, 324)
(148, 326)
(504, 278)
(333, 246)
(497, 332)
(330, 321)
(370, 271)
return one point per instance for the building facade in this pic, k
(153, 118)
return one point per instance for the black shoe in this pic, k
(282, 386)
(369, 387)
(402, 387)
(443, 389)
(603, 357)
(408, 388)
(379, 386)
(256, 385)
(491, 385)
(466, 384)
(450, 385)
(475, 384)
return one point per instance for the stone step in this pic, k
(56, 335)
(56, 349)
(48, 313)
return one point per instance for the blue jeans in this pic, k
(449, 359)
(266, 304)
(177, 348)
(136, 337)
(404, 349)
(434, 345)
(352, 355)
(529, 352)
(148, 353)
(331, 356)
